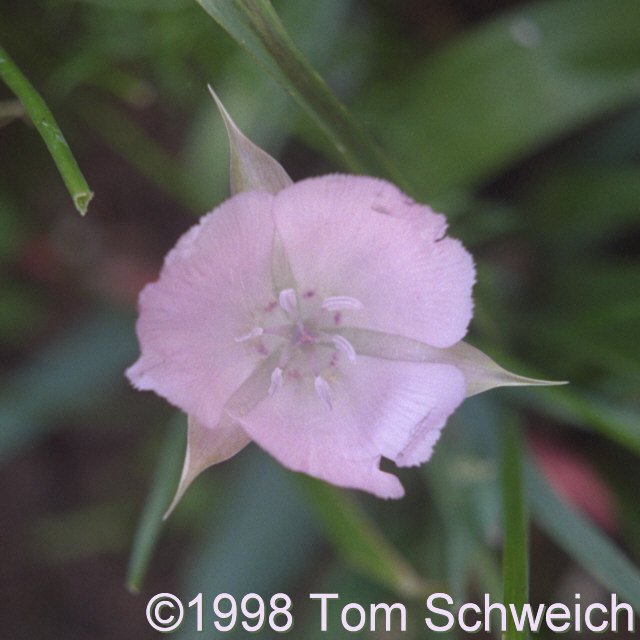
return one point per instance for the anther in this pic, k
(276, 381)
(288, 300)
(339, 303)
(343, 345)
(322, 389)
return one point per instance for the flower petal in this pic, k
(190, 319)
(362, 238)
(377, 408)
(430, 392)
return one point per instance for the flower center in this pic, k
(312, 349)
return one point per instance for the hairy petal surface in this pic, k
(361, 237)
(442, 389)
(210, 286)
(377, 408)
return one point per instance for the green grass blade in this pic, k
(515, 551)
(255, 25)
(49, 130)
(163, 486)
(359, 541)
(582, 540)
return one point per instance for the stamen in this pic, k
(254, 333)
(276, 381)
(338, 303)
(322, 389)
(343, 345)
(288, 300)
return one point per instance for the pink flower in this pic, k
(322, 320)
(306, 321)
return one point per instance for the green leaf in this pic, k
(515, 551)
(256, 26)
(48, 128)
(581, 540)
(163, 487)
(361, 543)
(508, 88)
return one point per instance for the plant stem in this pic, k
(48, 128)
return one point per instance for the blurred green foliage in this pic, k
(522, 123)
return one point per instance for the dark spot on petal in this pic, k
(309, 294)
(381, 209)
(271, 306)
(262, 350)
(337, 318)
